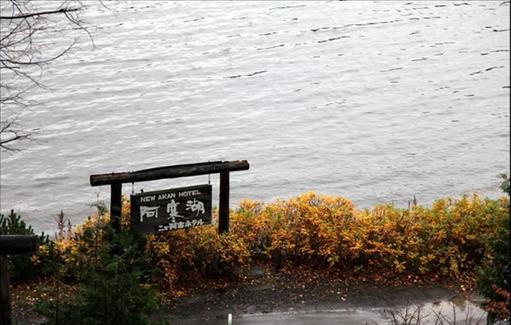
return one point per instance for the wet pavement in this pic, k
(377, 306)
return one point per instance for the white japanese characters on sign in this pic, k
(195, 205)
(148, 212)
(171, 209)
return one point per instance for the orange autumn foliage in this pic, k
(445, 240)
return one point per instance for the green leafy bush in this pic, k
(111, 276)
(494, 273)
(505, 184)
(27, 266)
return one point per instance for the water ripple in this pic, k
(377, 101)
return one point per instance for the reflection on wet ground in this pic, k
(384, 306)
(431, 313)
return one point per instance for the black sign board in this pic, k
(171, 209)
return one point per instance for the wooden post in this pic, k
(11, 244)
(223, 220)
(115, 206)
(5, 296)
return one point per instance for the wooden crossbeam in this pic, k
(17, 244)
(175, 171)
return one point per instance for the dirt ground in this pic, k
(265, 292)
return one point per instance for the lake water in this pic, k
(374, 101)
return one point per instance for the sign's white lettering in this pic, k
(148, 212)
(195, 206)
(148, 198)
(166, 196)
(181, 225)
(171, 209)
(189, 193)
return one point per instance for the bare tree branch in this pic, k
(10, 132)
(23, 56)
(40, 13)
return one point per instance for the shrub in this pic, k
(113, 271)
(187, 255)
(449, 238)
(111, 279)
(28, 265)
(505, 184)
(494, 273)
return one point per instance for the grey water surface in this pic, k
(374, 101)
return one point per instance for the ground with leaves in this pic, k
(306, 289)
(265, 290)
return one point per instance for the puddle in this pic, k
(456, 310)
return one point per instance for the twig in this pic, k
(41, 13)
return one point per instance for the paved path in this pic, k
(366, 308)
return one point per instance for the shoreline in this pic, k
(78, 216)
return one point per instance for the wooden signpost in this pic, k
(146, 218)
(9, 245)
